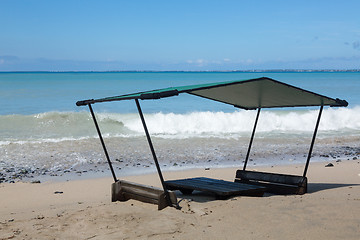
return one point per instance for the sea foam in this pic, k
(62, 126)
(222, 124)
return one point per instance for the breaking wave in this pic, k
(60, 126)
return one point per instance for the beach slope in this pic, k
(81, 209)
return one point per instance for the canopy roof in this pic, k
(247, 94)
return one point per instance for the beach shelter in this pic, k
(252, 94)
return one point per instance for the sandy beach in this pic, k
(94, 96)
(82, 209)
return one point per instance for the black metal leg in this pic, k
(102, 142)
(153, 152)
(251, 139)
(312, 142)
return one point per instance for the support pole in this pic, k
(252, 138)
(102, 143)
(313, 141)
(153, 152)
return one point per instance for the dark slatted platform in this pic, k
(221, 188)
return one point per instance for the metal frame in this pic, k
(311, 145)
(153, 152)
(313, 141)
(102, 143)
(252, 138)
(166, 192)
(148, 139)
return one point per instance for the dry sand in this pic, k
(82, 210)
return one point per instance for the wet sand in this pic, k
(131, 156)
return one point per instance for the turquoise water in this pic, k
(41, 127)
(31, 93)
(38, 106)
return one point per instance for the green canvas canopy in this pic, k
(247, 94)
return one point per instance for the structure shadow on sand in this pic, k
(198, 196)
(202, 197)
(317, 187)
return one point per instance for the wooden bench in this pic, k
(274, 182)
(124, 190)
(220, 188)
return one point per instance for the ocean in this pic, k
(43, 133)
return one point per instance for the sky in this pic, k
(194, 35)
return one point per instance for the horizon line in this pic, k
(188, 71)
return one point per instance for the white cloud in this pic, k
(198, 62)
(248, 61)
(203, 62)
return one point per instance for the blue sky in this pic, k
(108, 35)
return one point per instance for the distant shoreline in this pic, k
(208, 71)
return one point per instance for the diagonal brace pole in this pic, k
(252, 138)
(167, 195)
(313, 141)
(102, 143)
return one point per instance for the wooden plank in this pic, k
(124, 190)
(142, 192)
(219, 186)
(163, 203)
(275, 183)
(270, 177)
(215, 186)
(214, 183)
(141, 187)
(223, 190)
(225, 184)
(278, 188)
(141, 198)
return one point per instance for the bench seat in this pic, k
(274, 182)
